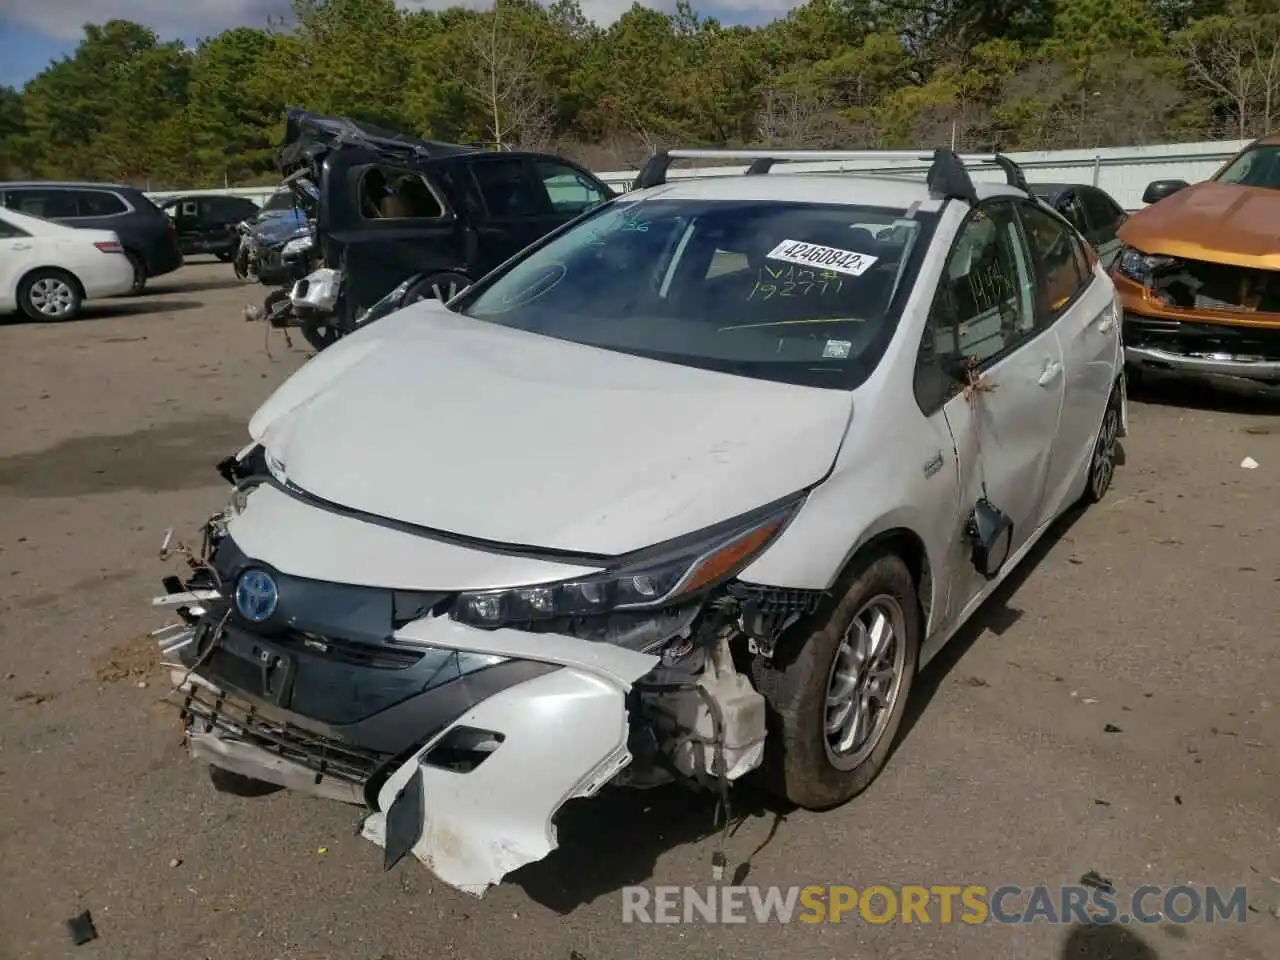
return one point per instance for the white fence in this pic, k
(1123, 172)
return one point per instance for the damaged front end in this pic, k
(464, 720)
(1199, 316)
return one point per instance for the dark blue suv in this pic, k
(149, 237)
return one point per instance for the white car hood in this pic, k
(434, 419)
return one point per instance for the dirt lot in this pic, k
(1153, 616)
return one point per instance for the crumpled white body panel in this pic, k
(565, 736)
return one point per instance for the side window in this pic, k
(1073, 209)
(984, 303)
(568, 189)
(1105, 216)
(1060, 263)
(389, 194)
(99, 203)
(49, 204)
(507, 190)
(9, 231)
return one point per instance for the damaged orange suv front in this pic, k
(1199, 274)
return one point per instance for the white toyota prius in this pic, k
(688, 489)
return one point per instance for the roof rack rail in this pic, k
(947, 174)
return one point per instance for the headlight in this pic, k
(649, 579)
(1139, 266)
(388, 304)
(298, 245)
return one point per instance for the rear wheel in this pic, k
(443, 286)
(50, 295)
(226, 256)
(837, 700)
(139, 272)
(1102, 467)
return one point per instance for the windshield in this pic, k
(277, 202)
(1256, 167)
(798, 292)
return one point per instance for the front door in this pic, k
(516, 208)
(1002, 411)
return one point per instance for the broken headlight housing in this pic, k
(1139, 266)
(658, 577)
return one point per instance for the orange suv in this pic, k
(1199, 273)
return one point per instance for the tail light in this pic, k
(109, 246)
(170, 229)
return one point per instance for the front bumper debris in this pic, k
(473, 828)
(475, 801)
(1249, 352)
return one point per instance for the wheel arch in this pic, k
(910, 547)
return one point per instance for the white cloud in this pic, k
(65, 19)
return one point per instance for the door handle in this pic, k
(1050, 373)
(21, 246)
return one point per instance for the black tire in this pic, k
(321, 330)
(238, 785)
(43, 291)
(1102, 465)
(442, 286)
(800, 762)
(226, 256)
(139, 272)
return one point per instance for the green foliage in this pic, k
(1020, 74)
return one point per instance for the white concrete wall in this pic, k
(1123, 172)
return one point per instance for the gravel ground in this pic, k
(1154, 614)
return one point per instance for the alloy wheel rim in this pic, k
(865, 682)
(52, 297)
(1104, 462)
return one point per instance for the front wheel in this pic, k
(226, 256)
(836, 701)
(320, 329)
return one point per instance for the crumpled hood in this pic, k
(1218, 222)
(431, 418)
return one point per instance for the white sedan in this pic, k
(47, 270)
(690, 488)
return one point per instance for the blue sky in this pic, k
(33, 32)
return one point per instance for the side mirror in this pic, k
(990, 538)
(955, 366)
(1157, 190)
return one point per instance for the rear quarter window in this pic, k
(100, 203)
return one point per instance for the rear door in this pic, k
(1003, 426)
(1078, 303)
(382, 224)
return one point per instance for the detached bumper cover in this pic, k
(560, 723)
(564, 736)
